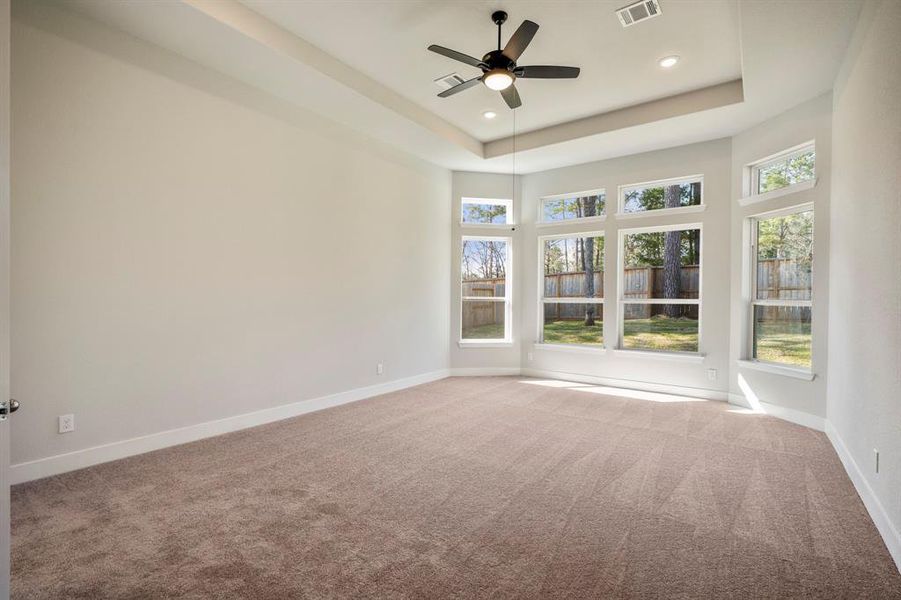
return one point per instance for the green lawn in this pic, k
(492, 331)
(777, 342)
(574, 331)
(783, 342)
(661, 333)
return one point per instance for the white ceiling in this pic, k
(364, 65)
(388, 41)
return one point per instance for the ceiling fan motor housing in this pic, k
(497, 60)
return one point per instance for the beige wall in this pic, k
(864, 393)
(180, 257)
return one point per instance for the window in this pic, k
(660, 283)
(483, 211)
(782, 259)
(658, 195)
(789, 168)
(572, 295)
(485, 290)
(568, 207)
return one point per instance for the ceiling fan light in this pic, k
(498, 79)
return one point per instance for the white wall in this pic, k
(864, 391)
(179, 256)
(810, 121)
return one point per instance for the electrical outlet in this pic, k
(876, 464)
(66, 423)
(529, 356)
(379, 369)
(711, 374)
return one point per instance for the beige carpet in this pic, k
(478, 487)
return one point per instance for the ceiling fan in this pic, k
(499, 69)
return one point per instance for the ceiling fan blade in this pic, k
(463, 58)
(460, 87)
(520, 40)
(547, 72)
(511, 97)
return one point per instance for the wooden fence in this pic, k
(784, 279)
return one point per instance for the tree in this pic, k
(672, 254)
(588, 209)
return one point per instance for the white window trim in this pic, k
(662, 212)
(570, 348)
(622, 301)
(787, 190)
(507, 340)
(580, 222)
(540, 222)
(541, 344)
(505, 202)
(622, 189)
(751, 361)
(690, 357)
(776, 369)
(753, 168)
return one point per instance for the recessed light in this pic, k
(489, 114)
(668, 62)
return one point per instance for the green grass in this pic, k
(661, 333)
(574, 331)
(492, 331)
(783, 342)
(777, 342)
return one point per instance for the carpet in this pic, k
(492, 487)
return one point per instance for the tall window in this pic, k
(485, 289)
(659, 282)
(659, 195)
(572, 293)
(569, 207)
(787, 169)
(782, 256)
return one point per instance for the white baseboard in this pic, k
(678, 390)
(485, 372)
(787, 414)
(884, 525)
(79, 459)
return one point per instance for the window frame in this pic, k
(622, 301)
(505, 202)
(507, 299)
(540, 222)
(623, 189)
(754, 168)
(753, 301)
(542, 300)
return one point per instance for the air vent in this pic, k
(449, 81)
(640, 11)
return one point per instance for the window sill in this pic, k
(662, 212)
(755, 365)
(485, 344)
(488, 226)
(570, 348)
(791, 189)
(582, 221)
(690, 357)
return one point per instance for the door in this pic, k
(4, 295)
